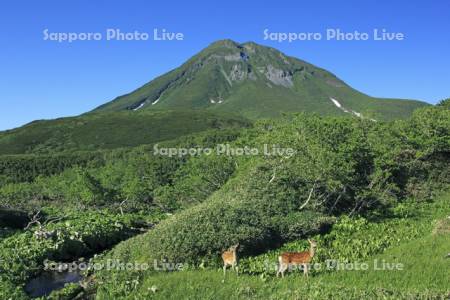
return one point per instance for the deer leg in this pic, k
(281, 269)
(224, 270)
(305, 270)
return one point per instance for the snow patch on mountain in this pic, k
(336, 102)
(339, 105)
(140, 106)
(156, 101)
(219, 100)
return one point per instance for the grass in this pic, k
(415, 235)
(425, 276)
(425, 268)
(415, 240)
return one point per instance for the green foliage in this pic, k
(19, 195)
(445, 103)
(194, 182)
(405, 238)
(77, 234)
(25, 168)
(357, 239)
(8, 290)
(128, 177)
(348, 164)
(357, 173)
(245, 211)
(69, 292)
(110, 131)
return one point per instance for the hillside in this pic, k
(362, 190)
(256, 81)
(110, 130)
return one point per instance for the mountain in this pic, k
(222, 86)
(111, 130)
(256, 81)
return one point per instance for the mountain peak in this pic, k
(255, 81)
(224, 43)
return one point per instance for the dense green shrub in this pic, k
(126, 177)
(113, 130)
(246, 210)
(341, 166)
(194, 182)
(25, 168)
(356, 239)
(77, 234)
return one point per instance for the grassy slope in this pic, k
(110, 130)
(425, 267)
(255, 100)
(425, 274)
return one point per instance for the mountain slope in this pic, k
(255, 81)
(110, 130)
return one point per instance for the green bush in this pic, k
(194, 182)
(25, 168)
(245, 210)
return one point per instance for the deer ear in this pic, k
(309, 241)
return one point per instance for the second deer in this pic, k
(287, 259)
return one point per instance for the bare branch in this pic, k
(309, 197)
(273, 177)
(54, 219)
(34, 220)
(120, 205)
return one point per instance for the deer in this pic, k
(229, 258)
(287, 259)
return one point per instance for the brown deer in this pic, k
(229, 258)
(287, 259)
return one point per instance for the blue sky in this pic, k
(45, 79)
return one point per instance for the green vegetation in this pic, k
(110, 131)
(27, 167)
(73, 235)
(404, 238)
(363, 190)
(136, 176)
(255, 81)
(210, 285)
(351, 167)
(359, 239)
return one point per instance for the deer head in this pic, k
(234, 247)
(313, 246)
